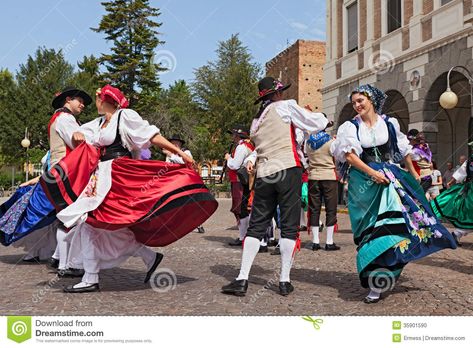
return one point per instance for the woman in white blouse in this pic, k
(127, 204)
(392, 222)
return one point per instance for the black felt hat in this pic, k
(269, 85)
(60, 97)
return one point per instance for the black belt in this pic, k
(111, 155)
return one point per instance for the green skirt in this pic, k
(456, 205)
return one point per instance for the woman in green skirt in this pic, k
(456, 203)
(391, 220)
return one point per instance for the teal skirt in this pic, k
(392, 225)
(456, 205)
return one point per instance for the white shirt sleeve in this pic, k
(136, 131)
(311, 122)
(402, 142)
(91, 130)
(237, 160)
(346, 142)
(460, 173)
(178, 159)
(251, 158)
(66, 125)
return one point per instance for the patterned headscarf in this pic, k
(376, 96)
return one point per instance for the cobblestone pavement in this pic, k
(326, 283)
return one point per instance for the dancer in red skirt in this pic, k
(119, 205)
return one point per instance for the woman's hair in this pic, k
(434, 165)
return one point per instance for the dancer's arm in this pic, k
(410, 167)
(160, 141)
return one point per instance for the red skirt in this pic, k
(159, 201)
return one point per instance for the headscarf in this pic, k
(112, 95)
(316, 141)
(376, 96)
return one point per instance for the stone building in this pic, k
(406, 48)
(301, 64)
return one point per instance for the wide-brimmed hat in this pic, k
(177, 137)
(269, 85)
(240, 130)
(60, 97)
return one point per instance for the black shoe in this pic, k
(236, 287)
(53, 263)
(331, 247)
(456, 239)
(157, 261)
(303, 228)
(263, 249)
(315, 246)
(91, 288)
(70, 273)
(285, 288)
(276, 251)
(370, 300)
(32, 260)
(200, 229)
(236, 242)
(273, 242)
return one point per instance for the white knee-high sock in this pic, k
(250, 249)
(243, 227)
(374, 294)
(315, 234)
(303, 220)
(287, 248)
(62, 247)
(330, 230)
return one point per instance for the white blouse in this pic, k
(460, 174)
(134, 131)
(347, 139)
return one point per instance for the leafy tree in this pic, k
(30, 103)
(225, 90)
(131, 26)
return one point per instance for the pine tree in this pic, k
(88, 79)
(226, 90)
(131, 26)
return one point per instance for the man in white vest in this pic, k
(64, 135)
(278, 178)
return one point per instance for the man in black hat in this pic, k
(179, 142)
(278, 178)
(240, 190)
(64, 135)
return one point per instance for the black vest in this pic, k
(115, 149)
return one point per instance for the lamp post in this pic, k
(26, 144)
(448, 100)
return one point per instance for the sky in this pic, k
(191, 29)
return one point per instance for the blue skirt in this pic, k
(26, 211)
(392, 224)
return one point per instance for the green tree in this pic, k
(131, 26)
(225, 89)
(36, 82)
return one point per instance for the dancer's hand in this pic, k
(379, 178)
(33, 181)
(190, 163)
(77, 138)
(250, 168)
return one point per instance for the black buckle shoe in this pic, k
(157, 261)
(200, 229)
(276, 251)
(53, 263)
(273, 242)
(236, 287)
(455, 237)
(72, 290)
(370, 300)
(263, 249)
(70, 273)
(236, 242)
(285, 288)
(32, 260)
(331, 247)
(315, 246)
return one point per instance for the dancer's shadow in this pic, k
(454, 265)
(17, 259)
(223, 240)
(124, 279)
(259, 275)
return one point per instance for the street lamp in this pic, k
(26, 144)
(448, 99)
